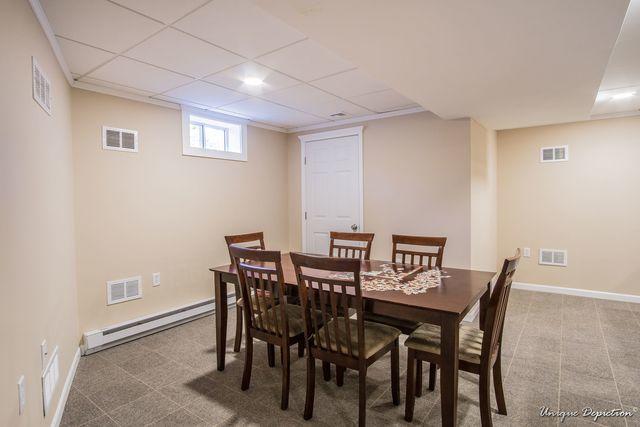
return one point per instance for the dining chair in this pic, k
(241, 239)
(267, 318)
(479, 349)
(340, 250)
(332, 286)
(404, 251)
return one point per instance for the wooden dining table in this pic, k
(445, 305)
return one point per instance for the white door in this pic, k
(332, 189)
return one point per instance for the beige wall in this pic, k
(416, 181)
(37, 254)
(484, 197)
(589, 205)
(160, 211)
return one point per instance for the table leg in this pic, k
(484, 303)
(221, 319)
(449, 332)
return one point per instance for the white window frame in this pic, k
(188, 150)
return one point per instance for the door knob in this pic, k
(354, 227)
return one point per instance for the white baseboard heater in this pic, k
(101, 339)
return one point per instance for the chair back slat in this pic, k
(241, 239)
(333, 297)
(497, 308)
(262, 287)
(434, 259)
(341, 250)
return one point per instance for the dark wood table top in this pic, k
(455, 295)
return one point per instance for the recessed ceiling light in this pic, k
(253, 81)
(623, 95)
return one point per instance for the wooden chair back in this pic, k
(411, 256)
(342, 250)
(497, 308)
(332, 287)
(245, 238)
(261, 281)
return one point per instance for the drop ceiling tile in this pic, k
(240, 26)
(233, 78)
(305, 60)
(131, 73)
(166, 11)
(204, 93)
(349, 84)
(265, 111)
(180, 52)
(98, 23)
(383, 101)
(110, 85)
(311, 100)
(81, 58)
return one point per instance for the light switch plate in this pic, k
(526, 252)
(156, 279)
(22, 395)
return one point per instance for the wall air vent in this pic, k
(554, 154)
(124, 290)
(557, 257)
(119, 139)
(41, 87)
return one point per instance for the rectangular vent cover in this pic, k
(119, 139)
(41, 87)
(554, 154)
(124, 290)
(557, 257)
(50, 377)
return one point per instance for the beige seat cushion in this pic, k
(427, 338)
(376, 336)
(240, 301)
(294, 315)
(405, 326)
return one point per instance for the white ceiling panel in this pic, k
(617, 101)
(349, 84)
(204, 93)
(506, 63)
(81, 58)
(305, 60)
(110, 85)
(129, 72)
(311, 100)
(623, 69)
(234, 77)
(240, 26)
(180, 52)
(383, 101)
(265, 111)
(98, 23)
(166, 11)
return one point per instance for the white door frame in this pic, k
(353, 131)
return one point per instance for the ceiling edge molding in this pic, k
(38, 10)
(360, 119)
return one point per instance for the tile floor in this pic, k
(559, 351)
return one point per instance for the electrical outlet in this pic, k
(22, 395)
(44, 353)
(156, 279)
(526, 252)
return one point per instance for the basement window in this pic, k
(207, 134)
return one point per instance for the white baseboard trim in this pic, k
(112, 335)
(57, 417)
(576, 292)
